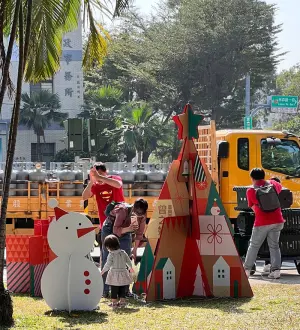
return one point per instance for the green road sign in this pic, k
(247, 122)
(284, 104)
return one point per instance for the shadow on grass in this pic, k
(83, 318)
(131, 307)
(227, 305)
(126, 310)
(284, 279)
(78, 318)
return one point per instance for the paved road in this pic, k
(289, 275)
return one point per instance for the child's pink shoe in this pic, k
(122, 304)
(114, 305)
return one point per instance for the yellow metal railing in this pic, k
(33, 202)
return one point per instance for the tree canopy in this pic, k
(193, 50)
(288, 83)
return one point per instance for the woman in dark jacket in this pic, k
(123, 221)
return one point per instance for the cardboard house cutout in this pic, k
(190, 250)
(71, 281)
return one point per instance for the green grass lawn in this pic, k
(274, 306)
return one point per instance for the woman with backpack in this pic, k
(123, 220)
(263, 199)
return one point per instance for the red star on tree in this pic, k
(188, 123)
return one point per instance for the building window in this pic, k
(282, 156)
(45, 85)
(47, 152)
(243, 154)
(221, 271)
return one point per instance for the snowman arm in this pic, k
(108, 263)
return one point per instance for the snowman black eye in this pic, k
(80, 224)
(67, 227)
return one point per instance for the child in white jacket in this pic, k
(118, 276)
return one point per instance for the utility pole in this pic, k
(247, 100)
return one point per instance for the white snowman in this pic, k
(215, 210)
(71, 281)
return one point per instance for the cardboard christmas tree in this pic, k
(190, 250)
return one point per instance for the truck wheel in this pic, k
(253, 270)
(297, 266)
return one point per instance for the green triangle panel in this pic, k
(145, 269)
(215, 206)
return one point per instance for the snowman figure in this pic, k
(71, 281)
(215, 210)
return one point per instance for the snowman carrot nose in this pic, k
(83, 231)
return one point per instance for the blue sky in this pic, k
(287, 14)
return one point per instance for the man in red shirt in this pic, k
(267, 225)
(106, 188)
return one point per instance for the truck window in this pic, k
(282, 157)
(243, 154)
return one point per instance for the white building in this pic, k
(167, 282)
(67, 83)
(221, 278)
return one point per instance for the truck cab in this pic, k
(238, 151)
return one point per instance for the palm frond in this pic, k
(96, 48)
(9, 8)
(96, 5)
(50, 20)
(71, 14)
(121, 5)
(46, 40)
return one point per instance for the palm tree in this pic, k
(6, 307)
(40, 46)
(139, 130)
(38, 112)
(102, 103)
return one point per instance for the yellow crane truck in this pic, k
(231, 154)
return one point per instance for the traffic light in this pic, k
(96, 136)
(74, 129)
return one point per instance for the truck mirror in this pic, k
(223, 149)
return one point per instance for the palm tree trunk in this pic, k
(27, 32)
(5, 71)
(6, 307)
(139, 157)
(38, 147)
(2, 49)
(146, 155)
(129, 155)
(43, 147)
